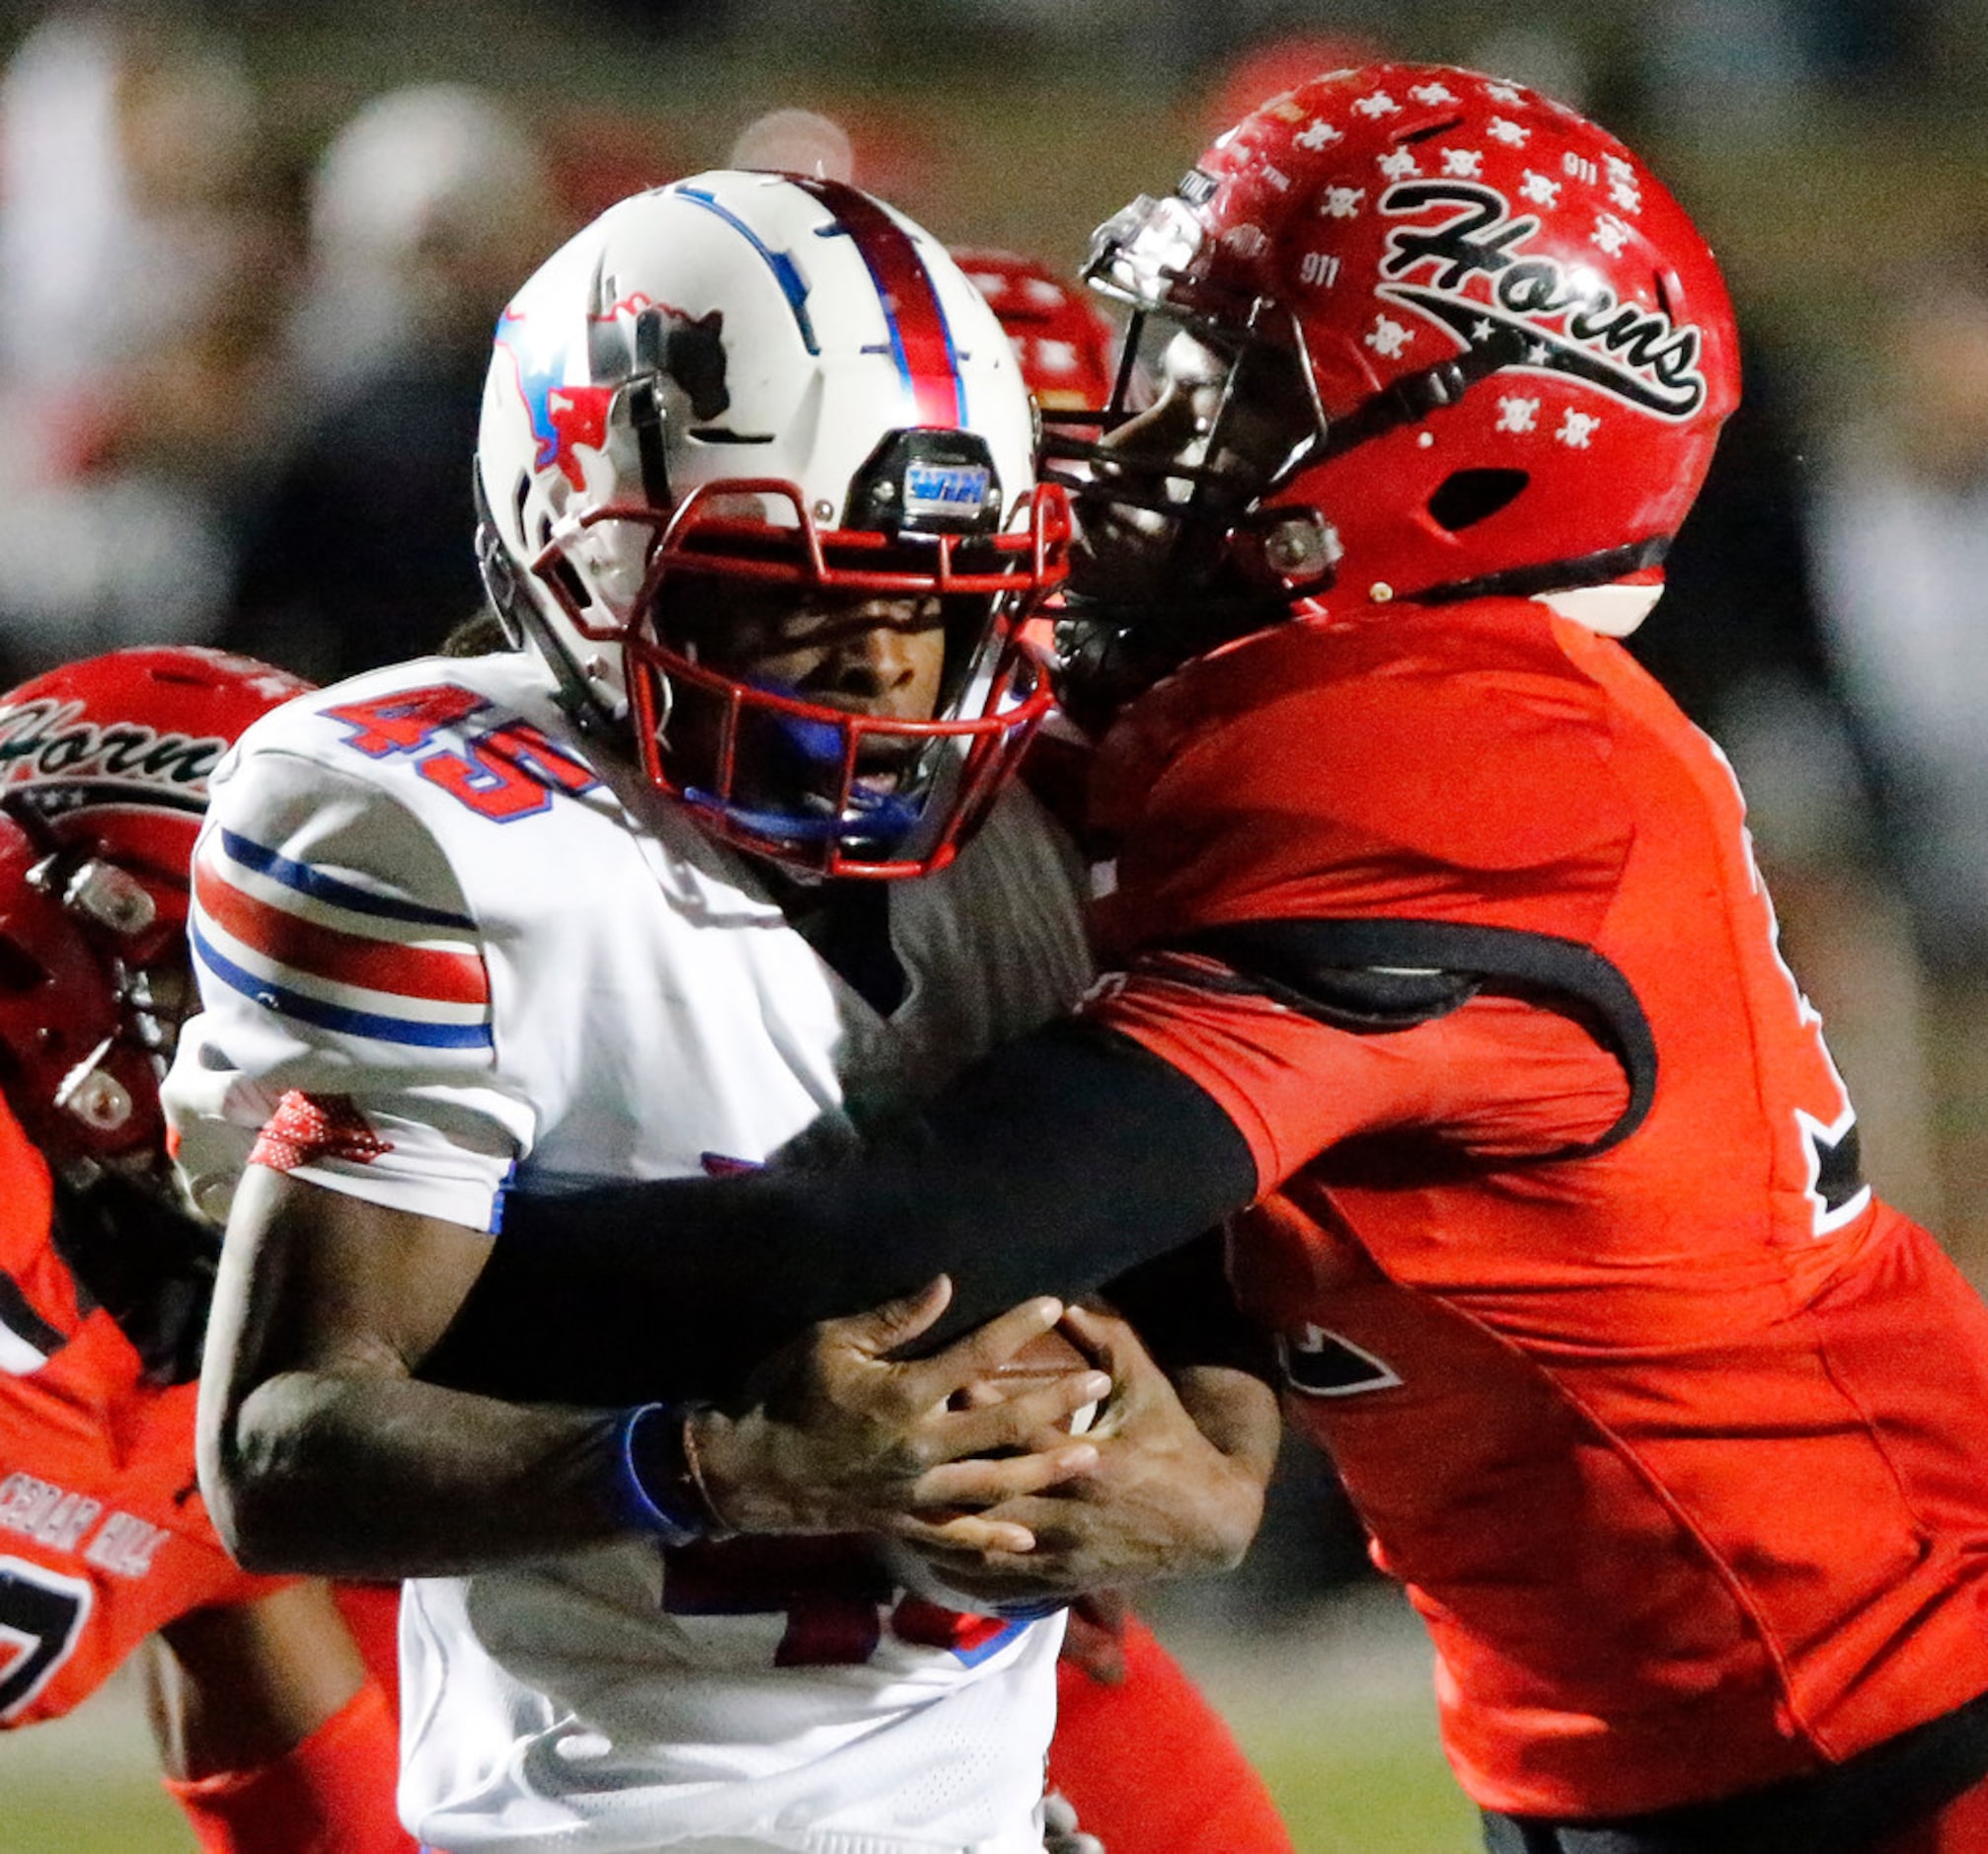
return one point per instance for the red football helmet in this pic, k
(1066, 348)
(1499, 351)
(104, 768)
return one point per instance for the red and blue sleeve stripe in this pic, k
(311, 946)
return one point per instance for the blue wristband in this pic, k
(657, 1488)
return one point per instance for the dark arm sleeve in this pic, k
(1057, 1164)
(1185, 1314)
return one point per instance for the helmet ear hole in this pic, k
(576, 587)
(1469, 496)
(19, 970)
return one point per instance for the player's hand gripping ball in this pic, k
(1043, 1360)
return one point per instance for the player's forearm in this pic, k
(234, 1685)
(380, 1477)
(1053, 1168)
(321, 1446)
(384, 1477)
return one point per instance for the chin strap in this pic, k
(525, 626)
(1110, 653)
(1552, 576)
(1411, 399)
(495, 568)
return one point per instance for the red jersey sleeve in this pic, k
(1367, 773)
(1337, 772)
(103, 1537)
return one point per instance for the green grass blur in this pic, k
(115, 1814)
(1335, 1706)
(1363, 1786)
(88, 1784)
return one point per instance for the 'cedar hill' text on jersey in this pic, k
(445, 951)
(103, 1537)
(1671, 1429)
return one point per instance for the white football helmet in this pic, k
(770, 380)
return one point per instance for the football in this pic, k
(1051, 1355)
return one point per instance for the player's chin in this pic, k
(1121, 553)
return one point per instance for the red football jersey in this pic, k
(103, 1537)
(1674, 1433)
(1150, 1766)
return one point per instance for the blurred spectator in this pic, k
(143, 275)
(1900, 539)
(882, 149)
(124, 150)
(425, 208)
(1738, 642)
(795, 141)
(1269, 67)
(419, 209)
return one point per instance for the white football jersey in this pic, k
(446, 949)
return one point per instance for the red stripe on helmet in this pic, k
(920, 338)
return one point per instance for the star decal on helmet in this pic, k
(563, 414)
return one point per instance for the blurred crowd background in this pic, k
(250, 254)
